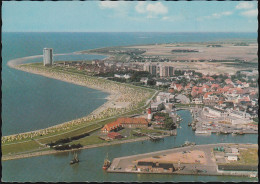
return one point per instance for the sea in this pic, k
(31, 102)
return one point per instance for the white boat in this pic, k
(202, 132)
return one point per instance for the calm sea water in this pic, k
(31, 102)
(57, 168)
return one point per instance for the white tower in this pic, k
(47, 56)
(149, 117)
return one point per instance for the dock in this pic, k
(205, 163)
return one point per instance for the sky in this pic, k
(121, 16)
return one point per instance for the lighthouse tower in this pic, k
(149, 112)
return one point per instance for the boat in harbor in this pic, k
(224, 132)
(188, 143)
(106, 164)
(189, 124)
(193, 128)
(75, 159)
(202, 132)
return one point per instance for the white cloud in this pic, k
(215, 15)
(218, 15)
(151, 9)
(120, 8)
(173, 18)
(157, 8)
(245, 5)
(140, 7)
(250, 13)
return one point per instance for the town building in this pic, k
(155, 167)
(133, 122)
(165, 97)
(164, 71)
(157, 106)
(114, 126)
(232, 158)
(125, 122)
(114, 135)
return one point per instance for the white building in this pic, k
(165, 97)
(157, 106)
(232, 158)
(234, 150)
(47, 56)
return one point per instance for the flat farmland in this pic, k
(226, 52)
(227, 56)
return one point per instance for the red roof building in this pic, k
(133, 122)
(114, 135)
(111, 127)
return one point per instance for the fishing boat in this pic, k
(189, 124)
(106, 164)
(75, 159)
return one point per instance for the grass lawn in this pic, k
(247, 156)
(16, 148)
(89, 140)
(70, 134)
(149, 131)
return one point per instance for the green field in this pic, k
(22, 147)
(247, 156)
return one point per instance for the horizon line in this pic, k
(126, 32)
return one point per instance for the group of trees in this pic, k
(168, 121)
(67, 140)
(67, 147)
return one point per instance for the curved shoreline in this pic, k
(19, 61)
(114, 95)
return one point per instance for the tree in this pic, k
(151, 82)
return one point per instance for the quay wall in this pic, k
(237, 167)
